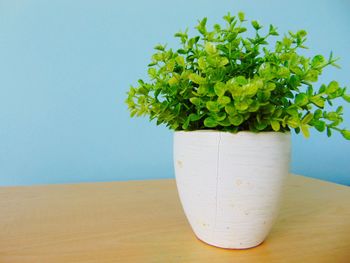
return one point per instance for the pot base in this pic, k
(228, 247)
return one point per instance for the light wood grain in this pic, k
(142, 221)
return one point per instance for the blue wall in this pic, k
(65, 67)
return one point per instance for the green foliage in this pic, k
(224, 80)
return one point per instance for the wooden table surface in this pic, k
(142, 221)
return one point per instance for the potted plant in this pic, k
(232, 100)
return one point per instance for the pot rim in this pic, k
(228, 132)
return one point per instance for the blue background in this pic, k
(65, 67)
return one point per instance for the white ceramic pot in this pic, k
(230, 184)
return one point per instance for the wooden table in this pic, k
(142, 221)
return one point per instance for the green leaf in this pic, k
(261, 125)
(318, 61)
(241, 105)
(263, 95)
(194, 117)
(226, 122)
(287, 42)
(273, 31)
(283, 72)
(196, 101)
(196, 78)
(293, 112)
(157, 57)
(319, 125)
(305, 130)
(159, 47)
(318, 101)
(301, 33)
(236, 120)
(275, 125)
(346, 134)
(256, 25)
(132, 91)
(332, 87)
(310, 91)
(223, 61)
(180, 61)
(186, 123)
(224, 100)
(322, 88)
(230, 109)
(251, 88)
(340, 109)
(170, 65)
(308, 117)
(229, 18)
(220, 88)
(202, 90)
(220, 116)
(210, 122)
(241, 29)
(329, 131)
(278, 112)
(346, 97)
(318, 114)
(254, 106)
(241, 80)
(173, 81)
(312, 75)
(332, 116)
(241, 16)
(203, 23)
(201, 27)
(181, 51)
(301, 99)
(202, 63)
(217, 27)
(210, 48)
(152, 64)
(213, 106)
(152, 72)
(268, 109)
(293, 122)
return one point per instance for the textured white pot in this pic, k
(230, 184)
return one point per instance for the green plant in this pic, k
(225, 80)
